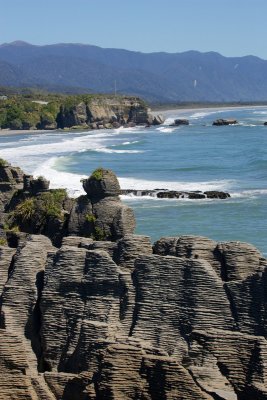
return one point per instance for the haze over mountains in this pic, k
(159, 77)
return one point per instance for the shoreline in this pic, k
(19, 132)
(212, 108)
(16, 132)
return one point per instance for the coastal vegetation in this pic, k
(97, 174)
(41, 110)
(40, 209)
(2, 162)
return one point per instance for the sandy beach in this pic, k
(204, 109)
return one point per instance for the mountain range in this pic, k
(158, 77)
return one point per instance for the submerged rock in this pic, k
(173, 194)
(220, 122)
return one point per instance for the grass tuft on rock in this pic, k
(25, 210)
(98, 174)
(3, 162)
(39, 209)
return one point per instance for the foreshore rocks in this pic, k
(178, 122)
(102, 313)
(221, 122)
(173, 194)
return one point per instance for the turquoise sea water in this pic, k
(195, 157)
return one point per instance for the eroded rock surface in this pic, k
(29, 206)
(112, 320)
(106, 112)
(106, 315)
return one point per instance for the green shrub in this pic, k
(3, 162)
(9, 228)
(25, 210)
(97, 174)
(50, 203)
(15, 124)
(39, 209)
(90, 218)
(3, 242)
(99, 234)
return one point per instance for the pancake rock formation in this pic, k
(27, 205)
(92, 319)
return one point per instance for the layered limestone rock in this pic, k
(106, 112)
(34, 209)
(121, 319)
(231, 260)
(111, 219)
(6, 255)
(236, 357)
(11, 179)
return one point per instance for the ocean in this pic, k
(195, 157)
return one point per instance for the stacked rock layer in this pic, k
(183, 319)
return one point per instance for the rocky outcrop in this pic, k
(106, 315)
(156, 120)
(87, 111)
(32, 208)
(11, 179)
(221, 122)
(110, 219)
(112, 320)
(173, 194)
(178, 122)
(106, 112)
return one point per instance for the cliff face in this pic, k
(82, 112)
(107, 112)
(183, 319)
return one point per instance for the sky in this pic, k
(230, 27)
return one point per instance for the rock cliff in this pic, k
(184, 318)
(106, 112)
(75, 112)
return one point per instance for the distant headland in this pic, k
(41, 111)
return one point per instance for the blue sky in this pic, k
(230, 27)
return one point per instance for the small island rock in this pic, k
(178, 122)
(221, 122)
